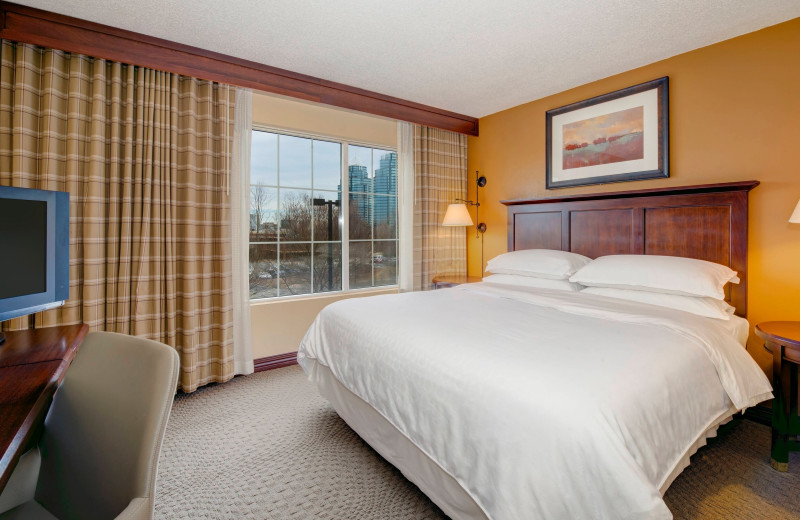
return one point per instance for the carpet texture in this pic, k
(267, 446)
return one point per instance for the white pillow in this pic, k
(665, 274)
(532, 281)
(541, 263)
(708, 307)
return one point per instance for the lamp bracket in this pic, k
(469, 202)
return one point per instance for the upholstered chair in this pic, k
(98, 455)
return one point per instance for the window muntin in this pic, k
(298, 244)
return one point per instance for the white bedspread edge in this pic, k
(311, 365)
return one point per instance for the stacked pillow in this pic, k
(686, 284)
(542, 268)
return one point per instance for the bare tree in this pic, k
(295, 216)
(263, 271)
(261, 199)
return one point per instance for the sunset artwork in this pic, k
(610, 138)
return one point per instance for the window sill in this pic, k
(370, 291)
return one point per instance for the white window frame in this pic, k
(344, 215)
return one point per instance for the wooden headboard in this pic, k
(707, 222)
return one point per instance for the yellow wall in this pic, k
(306, 117)
(278, 325)
(734, 115)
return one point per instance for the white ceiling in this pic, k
(474, 57)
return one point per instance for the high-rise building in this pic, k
(359, 181)
(385, 183)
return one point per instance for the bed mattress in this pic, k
(520, 403)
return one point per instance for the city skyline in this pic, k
(372, 177)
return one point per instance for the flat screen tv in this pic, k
(34, 251)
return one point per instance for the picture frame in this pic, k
(616, 137)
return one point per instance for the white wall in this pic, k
(278, 325)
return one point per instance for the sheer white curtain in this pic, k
(405, 166)
(240, 220)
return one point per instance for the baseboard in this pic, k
(759, 414)
(278, 361)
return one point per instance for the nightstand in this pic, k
(440, 282)
(782, 340)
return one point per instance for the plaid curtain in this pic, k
(440, 177)
(144, 157)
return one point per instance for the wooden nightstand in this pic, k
(440, 282)
(782, 340)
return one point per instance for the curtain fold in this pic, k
(240, 232)
(405, 188)
(144, 156)
(440, 176)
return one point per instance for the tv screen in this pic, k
(34, 250)
(23, 228)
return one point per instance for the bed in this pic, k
(509, 402)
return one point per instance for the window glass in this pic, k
(384, 167)
(295, 161)
(327, 221)
(384, 211)
(295, 269)
(264, 158)
(263, 270)
(295, 215)
(360, 264)
(384, 262)
(300, 199)
(327, 165)
(263, 213)
(360, 216)
(327, 267)
(359, 169)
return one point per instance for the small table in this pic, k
(782, 340)
(440, 282)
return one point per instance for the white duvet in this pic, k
(541, 404)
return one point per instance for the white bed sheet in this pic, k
(540, 404)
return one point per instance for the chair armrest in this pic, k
(138, 509)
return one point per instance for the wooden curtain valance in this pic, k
(38, 27)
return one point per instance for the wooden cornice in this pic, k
(35, 26)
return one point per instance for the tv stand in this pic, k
(33, 363)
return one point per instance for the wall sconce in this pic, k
(458, 213)
(795, 218)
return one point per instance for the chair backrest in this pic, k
(103, 433)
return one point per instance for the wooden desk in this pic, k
(782, 340)
(32, 365)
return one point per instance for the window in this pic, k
(307, 234)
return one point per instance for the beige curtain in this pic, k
(440, 176)
(144, 157)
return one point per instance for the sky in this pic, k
(295, 161)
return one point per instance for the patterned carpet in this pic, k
(267, 446)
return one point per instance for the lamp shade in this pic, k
(457, 215)
(794, 219)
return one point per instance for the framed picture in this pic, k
(616, 137)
